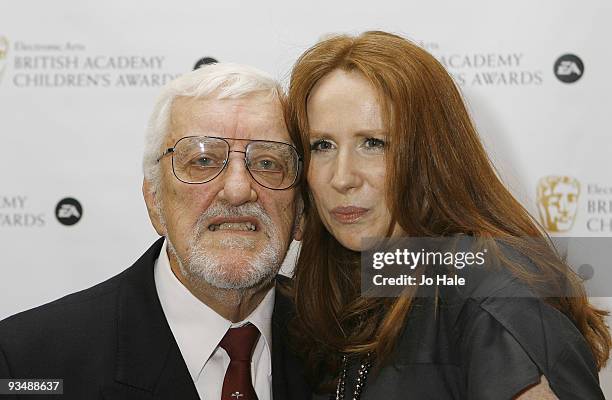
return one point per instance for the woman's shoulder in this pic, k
(508, 341)
(497, 345)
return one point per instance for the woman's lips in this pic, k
(348, 214)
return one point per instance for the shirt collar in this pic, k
(197, 328)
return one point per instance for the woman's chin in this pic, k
(351, 243)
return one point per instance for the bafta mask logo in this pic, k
(557, 199)
(4, 47)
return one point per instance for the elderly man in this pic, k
(198, 315)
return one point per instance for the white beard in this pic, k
(235, 273)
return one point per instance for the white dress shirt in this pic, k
(198, 330)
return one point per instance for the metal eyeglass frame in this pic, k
(170, 150)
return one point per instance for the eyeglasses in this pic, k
(200, 159)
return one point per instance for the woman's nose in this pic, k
(346, 173)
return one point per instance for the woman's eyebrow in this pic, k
(361, 132)
(371, 132)
(319, 134)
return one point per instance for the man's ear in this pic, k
(153, 210)
(298, 226)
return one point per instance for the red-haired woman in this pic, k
(390, 151)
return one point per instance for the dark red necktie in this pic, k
(239, 344)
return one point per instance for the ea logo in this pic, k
(68, 211)
(569, 68)
(204, 61)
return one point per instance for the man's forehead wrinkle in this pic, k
(249, 118)
(181, 111)
(244, 120)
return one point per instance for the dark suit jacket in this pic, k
(112, 341)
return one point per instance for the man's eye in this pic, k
(266, 164)
(321, 145)
(204, 162)
(374, 143)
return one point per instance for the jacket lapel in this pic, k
(149, 364)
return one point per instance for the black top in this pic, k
(484, 347)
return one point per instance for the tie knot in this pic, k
(239, 342)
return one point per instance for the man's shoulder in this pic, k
(65, 308)
(48, 339)
(73, 316)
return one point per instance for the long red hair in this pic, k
(440, 182)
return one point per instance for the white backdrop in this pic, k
(78, 80)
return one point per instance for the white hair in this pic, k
(223, 80)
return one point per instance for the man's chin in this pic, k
(230, 242)
(238, 284)
(238, 276)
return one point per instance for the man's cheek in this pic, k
(288, 222)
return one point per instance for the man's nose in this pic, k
(345, 172)
(237, 182)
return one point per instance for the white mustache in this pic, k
(225, 210)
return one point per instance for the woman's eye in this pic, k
(321, 145)
(374, 143)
